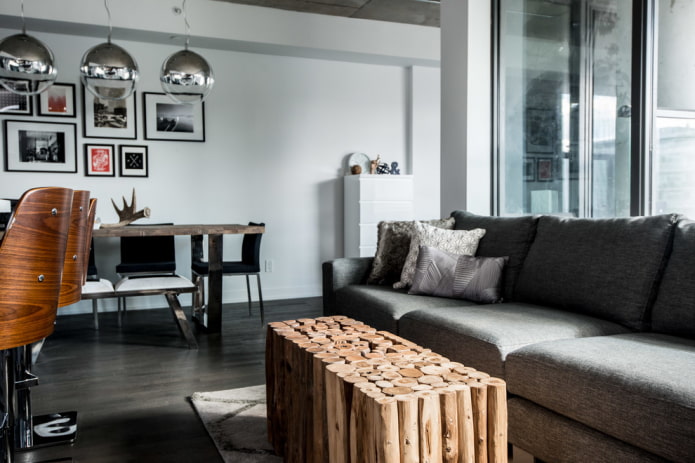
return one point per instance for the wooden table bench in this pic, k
(340, 391)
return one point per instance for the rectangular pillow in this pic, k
(606, 268)
(504, 236)
(444, 274)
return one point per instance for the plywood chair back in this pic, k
(31, 264)
(75, 255)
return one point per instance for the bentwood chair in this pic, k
(32, 254)
(70, 293)
(250, 264)
(148, 267)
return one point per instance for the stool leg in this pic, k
(7, 406)
(248, 292)
(23, 381)
(95, 310)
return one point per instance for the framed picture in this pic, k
(57, 101)
(133, 161)
(544, 170)
(99, 160)
(11, 103)
(40, 146)
(108, 118)
(166, 120)
(541, 130)
(530, 170)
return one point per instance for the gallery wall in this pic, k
(278, 131)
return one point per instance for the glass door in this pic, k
(564, 107)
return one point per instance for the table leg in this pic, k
(214, 309)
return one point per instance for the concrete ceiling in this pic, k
(420, 12)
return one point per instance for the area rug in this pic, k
(236, 422)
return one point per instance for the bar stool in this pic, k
(32, 254)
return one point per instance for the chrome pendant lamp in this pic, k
(107, 70)
(26, 64)
(186, 76)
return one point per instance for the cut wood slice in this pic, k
(411, 373)
(402, 390)
(407, 382)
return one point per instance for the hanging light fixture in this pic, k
(107, 70)
(185, 76)
(26, 64)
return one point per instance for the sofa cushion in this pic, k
(382, 306)
(636, 387)
(481, 336)
(607, 268)
(455, 241)
(549, 436)
(504, 236)
(393, 244)
(443, 274)
(674, 308)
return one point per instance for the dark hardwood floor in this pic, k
(131, 384)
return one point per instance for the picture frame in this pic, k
(544, 170)
(108, 118)
(529, 170)
(169, 121)
(57, 101)
(32, 146)
(541, 130)
(133, 161)
(99, 160)
(12, 103)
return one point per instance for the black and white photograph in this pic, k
(109, 118)
(40, 147)
(57, 101)
(166, 120)
(133, 161)
(12, 103)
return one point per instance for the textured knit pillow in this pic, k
(455, 241)
(393, 244)
(441, 273)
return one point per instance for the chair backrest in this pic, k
(75, 255)
(147, 254)
(31, 265)
(251, 248)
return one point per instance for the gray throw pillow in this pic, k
(393, 244)
(444, 274)
(455, 241)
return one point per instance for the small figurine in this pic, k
(394, 169)
(374, 164)
(356, 169)
(383, 168)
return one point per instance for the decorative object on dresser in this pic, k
(127, 214)
(370, 199)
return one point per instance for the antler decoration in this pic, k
(127, 214)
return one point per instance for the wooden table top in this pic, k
(183, 229)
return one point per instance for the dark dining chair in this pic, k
(32, 255)
(250, 264)
(148, 267)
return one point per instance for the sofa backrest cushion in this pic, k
(674, 308)
(607, 268)
(504, 237)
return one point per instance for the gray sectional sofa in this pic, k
(595, 337)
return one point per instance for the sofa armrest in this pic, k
(342, 272)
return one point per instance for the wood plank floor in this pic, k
(130, 384)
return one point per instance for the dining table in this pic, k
(211, 320)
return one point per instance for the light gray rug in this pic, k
(236, 421)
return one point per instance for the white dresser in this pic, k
(370, 199)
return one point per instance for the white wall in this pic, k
(466, 167)
(278, 132)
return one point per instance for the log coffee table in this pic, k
(340, 391)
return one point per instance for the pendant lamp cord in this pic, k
(108, 14)
(24, 23)
(188, 26)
